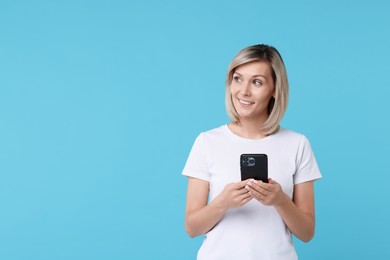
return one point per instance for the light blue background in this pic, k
(100, 102)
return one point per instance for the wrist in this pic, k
(284, 200)
(218, 204)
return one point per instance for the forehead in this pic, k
(255, 68)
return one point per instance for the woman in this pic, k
(251, 219)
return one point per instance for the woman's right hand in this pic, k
(234, 195)
(201, 217)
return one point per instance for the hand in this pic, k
(234, 195)
(270, 194)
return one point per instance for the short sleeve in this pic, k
(307, 168)
(196, 165)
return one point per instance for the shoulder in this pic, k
(212, 137)
(214, 133)
(290, 138)
(285, 133)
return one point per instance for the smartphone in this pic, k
(254, 166)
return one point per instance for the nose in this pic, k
(246, 90)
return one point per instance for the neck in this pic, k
(248, 129)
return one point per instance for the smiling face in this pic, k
(251, 89)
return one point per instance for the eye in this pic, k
(237, 79)
(257, 82)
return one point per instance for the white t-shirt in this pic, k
(254, 231)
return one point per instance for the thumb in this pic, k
(242, 184)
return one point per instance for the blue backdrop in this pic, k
(100, 102)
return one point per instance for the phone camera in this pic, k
(248, 161)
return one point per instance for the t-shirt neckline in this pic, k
(237, 137)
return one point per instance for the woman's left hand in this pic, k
(270, 194)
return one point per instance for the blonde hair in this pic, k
(278, 104)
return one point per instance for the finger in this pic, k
(241, 191)
(244, 197)
(272, 181)
(257, 195)
(241, 184)
(246, 200)
(263, 185)
(258, 187)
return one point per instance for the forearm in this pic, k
(200, 221)
(300, 223)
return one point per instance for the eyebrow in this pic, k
(254, 76)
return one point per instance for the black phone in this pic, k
(254, 166)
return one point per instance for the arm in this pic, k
(202, 217)
(297, 214)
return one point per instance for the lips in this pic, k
(245, 102)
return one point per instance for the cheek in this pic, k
(265, 98)
(233, 90)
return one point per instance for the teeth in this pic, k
(245, 102)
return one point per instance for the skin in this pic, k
(251, 89)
